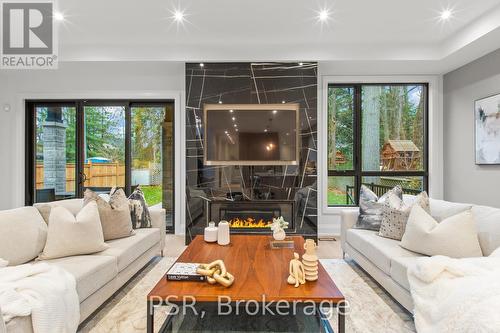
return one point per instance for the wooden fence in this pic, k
(98, 175)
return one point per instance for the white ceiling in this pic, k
(224, 30)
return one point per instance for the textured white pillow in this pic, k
(395, 214)
(455, 236)
(69, 235)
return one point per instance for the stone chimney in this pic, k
(54, 150)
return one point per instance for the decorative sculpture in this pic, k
(216, 272)
(310, 260)
(297, 273)
(278, 227)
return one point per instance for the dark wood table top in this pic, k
(258, 270)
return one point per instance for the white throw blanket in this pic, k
(47, 293)
(456, 295)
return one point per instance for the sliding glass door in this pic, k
(152, 151)
(55, 154)
(104, 159)
(74, 145)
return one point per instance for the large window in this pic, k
(74, 145)
(377, 136)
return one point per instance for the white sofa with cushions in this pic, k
(23, 233)
(387, 262)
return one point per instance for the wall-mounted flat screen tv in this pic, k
(251, 134)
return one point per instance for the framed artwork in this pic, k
(487, 129)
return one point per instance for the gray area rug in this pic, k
(372, 309)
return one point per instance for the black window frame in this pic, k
(357, 171)
(80, 104)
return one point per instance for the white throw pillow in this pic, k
(23, 234)
(3, 263)
(455, 236)
(441, 209)
(69, 235)
(495, 253)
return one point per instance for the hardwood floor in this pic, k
(327, 249)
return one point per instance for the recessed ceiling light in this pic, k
(202, 64)
(178, 16)
(283, 102)
(58, 16)
(275, 111)
(265, 130)
(235, 125)
(225, 132)
(301, 64)
(323, 15)
(233, 118)
(231, 111)
(236, 130)
(446, 14)
(220, 102)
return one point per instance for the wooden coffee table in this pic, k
(260, 276)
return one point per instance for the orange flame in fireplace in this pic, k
(249, 223)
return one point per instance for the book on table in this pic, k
(184, 271)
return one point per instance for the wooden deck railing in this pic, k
(379, 190)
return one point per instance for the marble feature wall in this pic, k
(251, 83)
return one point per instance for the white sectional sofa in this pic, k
(387, 262)
(98, 276)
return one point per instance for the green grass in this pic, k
(346, 166)
(335, 199)
(152, 194)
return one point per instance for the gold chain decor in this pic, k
(216, 272)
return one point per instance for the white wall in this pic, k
(382, 71)
(76, 80)
(464, 180)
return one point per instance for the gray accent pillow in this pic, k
(396, 212)
(139, 211)
(370, 207)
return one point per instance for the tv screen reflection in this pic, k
(251, 136)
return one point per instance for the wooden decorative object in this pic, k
(297, 273)
(216, 272)
(310, 260)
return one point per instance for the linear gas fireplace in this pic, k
(252, 216)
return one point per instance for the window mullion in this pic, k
(128, 149)
(357, 139)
